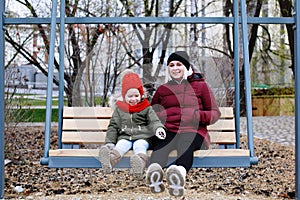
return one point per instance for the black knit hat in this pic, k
(181, 56)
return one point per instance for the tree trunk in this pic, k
(286, 11)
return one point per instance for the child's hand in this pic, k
(110, 146)
(160, 133)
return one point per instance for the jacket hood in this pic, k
(196, 77)
(191, 78)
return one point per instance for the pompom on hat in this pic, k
(181, 56)
(131, 80)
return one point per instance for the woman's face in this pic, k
(176, 70)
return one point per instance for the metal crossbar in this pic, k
(152, 20)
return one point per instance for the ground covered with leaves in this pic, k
(25, 178)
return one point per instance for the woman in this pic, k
(186, 106)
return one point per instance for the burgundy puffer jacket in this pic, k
(186, 107)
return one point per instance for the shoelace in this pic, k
(173, 185)
(155, 183)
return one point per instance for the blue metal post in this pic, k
(236, 71)
(2, 114)
(297, 96)
(253, 159)
(61, 69)
(203, 36)
(45, 159)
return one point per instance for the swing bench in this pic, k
(83, 126)
(88, 125)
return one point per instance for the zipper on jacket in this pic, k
(130, 138)
(125, 127)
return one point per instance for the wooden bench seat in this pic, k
(88, 125)
(88, 158)
(199, 153)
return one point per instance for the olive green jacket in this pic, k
(132, 126)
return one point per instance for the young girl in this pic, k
(132, 125)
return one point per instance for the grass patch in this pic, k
(35, 115)
(34, 102)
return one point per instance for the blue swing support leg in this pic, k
(45, 159)
(253, 159)
(2, 56)
(297, 95)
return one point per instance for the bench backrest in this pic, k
(88, 125)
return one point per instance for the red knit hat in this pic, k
(132, 80)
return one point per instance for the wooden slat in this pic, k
(222, 153)
(222, 137)
(74, 137)
(85, 124)
(199, 153)
(106, 112)
(87, 112)
(80, 152)
(222, 125)
(226, 112)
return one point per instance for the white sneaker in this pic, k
(104, 157)
(176, 180)
(154, 177)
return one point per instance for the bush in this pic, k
(276, 91)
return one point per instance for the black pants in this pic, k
(184, 143)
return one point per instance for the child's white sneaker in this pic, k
(154, 177)
(176, 179)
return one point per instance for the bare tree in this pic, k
(106, 49)
(255, 10)
(80, 39)
(286, 9)
(150, 36)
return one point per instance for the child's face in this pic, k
(176, 70)
(133, 96)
